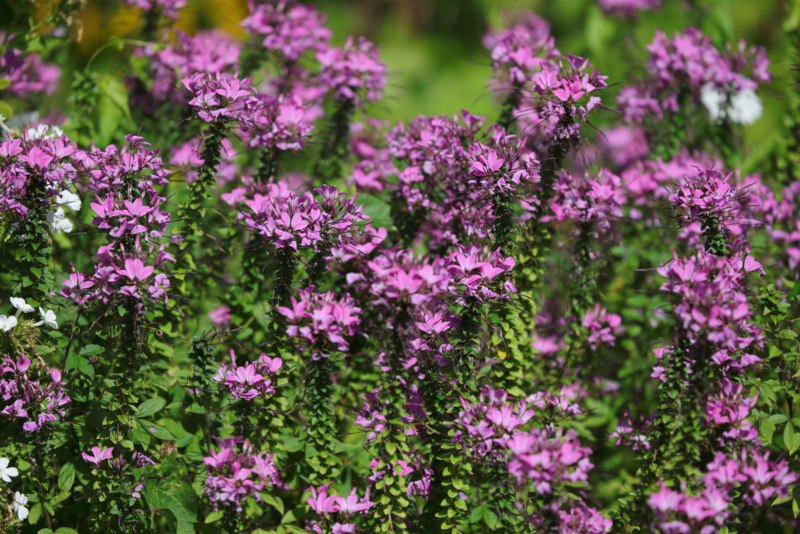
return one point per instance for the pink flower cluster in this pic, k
(236, 471)
(128, 207)
(206, 52)
(284, 219)
(689, 61)
(548, 459)
(322, 321)
(588, 200)
(563, 94)
(33, 172)
(707, 194)
(36, 401)
(168, 8)
(602, 327)
(712, 309)
(27, 74)
(486, 426)
(628, 8)
(281, 123)
(521, 49)
(250, 381)
(477, 276)
(729, 484)
(432, 155)
(728, 411)
(503, 166)
(336, 514)
(288, 28)
(353, 73)
(220, 97)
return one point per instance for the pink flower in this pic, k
(98, 455)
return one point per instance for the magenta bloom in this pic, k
(323, 322)
(236, 471)
(353, 73)
(252, 380)
(98, 455)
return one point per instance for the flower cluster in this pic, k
(688, 65)
(287, 220)
(728, 411)
(477, 276)
(38, 402)
(712, 309)
(129, 209)
(563, 95)
(168, 8)
(728, 485)
(206, 52)
(628, 8)
(250, 381)
(521, 49)
(36, 175)
(237, 471)
(548, 459)
(353, 73)
(590, 200)
(220, 97)
(485, 427)
(281, 123)
(288, 28)
(336, 514)
(26, 74)
(323, 322)
(503, 166)
(602, 327)
(706, 196)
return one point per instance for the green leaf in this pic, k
(214, 516)
(6, 110)
(795, 292)
(66, 477)
(376, 209)
(150, 407)
(178, 502)
(4, 82)
(275, 502)
(91, 350)
(35, 513)
(789, 438)
(66, 530)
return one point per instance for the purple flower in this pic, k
(99, 455)
(353, 73)
(236, 471)
(288, 28)
(252, 380)
(321, 321)
(37, 400)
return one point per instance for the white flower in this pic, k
(746, 107)
(7, 323)
(21, 305)
(49, 318)
(18, 505)
(7, 472)
(69, 199)
(713, 99)
(59, 222)
(44, 131)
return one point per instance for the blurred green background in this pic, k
(437, 64)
